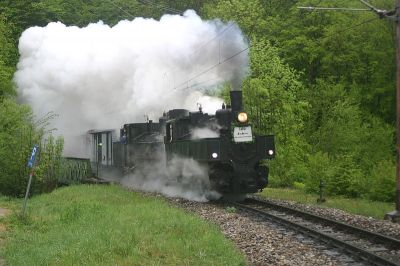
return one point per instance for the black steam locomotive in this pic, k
(224, 142)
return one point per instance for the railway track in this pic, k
(362, 245)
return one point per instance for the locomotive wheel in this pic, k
(220, 176)
(234, 197)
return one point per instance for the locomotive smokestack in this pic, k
(236, 101)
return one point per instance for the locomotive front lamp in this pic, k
(214, 155)
(270, 152)
(242, 117)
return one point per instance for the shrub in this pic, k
(18, 134)
(298, 185)
(382, 182)
(321, 167)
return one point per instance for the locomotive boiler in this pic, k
(224, 142)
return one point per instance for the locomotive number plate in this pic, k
(242, 134)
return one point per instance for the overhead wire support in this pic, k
(394, 15)
(380, 12)
(332, 8)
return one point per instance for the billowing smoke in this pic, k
(182, 177)
(102, 77)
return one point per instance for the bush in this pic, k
(342, 176)
(18, 134)
(382, 182)
(321, 167)
(48, 171)
(299, 186)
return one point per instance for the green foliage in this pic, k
(381, 182)
(271, 96)
(320, 167)
(48, 171)
(299, 186)
(7, 54)
(322, 82)
(356, 50)
(324, 85)
(18, 134)
(353, 142)
(6, 86)
(16, 138)
(248, 14)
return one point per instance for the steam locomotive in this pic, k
(224, 142)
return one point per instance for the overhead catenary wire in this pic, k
(211, 68)
(160, 6)
(219, 34)
(240, 52)
(355, 26)
(176, 11)
(200, 48)
(248, 47)
(120, 8)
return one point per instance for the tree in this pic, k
(271, 96)
(7, 58)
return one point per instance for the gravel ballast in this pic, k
(266, 243)
(378, 226)
(262, 242)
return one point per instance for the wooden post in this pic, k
(394, 216)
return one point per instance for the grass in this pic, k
(356, 206)
(9, 202)
(106, 225)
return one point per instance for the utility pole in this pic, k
(394, 216)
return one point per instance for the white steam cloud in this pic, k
(182, 177)
(102, 77)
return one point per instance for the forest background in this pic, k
(323, 82)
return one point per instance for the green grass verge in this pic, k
(355, 206)
(106, 225)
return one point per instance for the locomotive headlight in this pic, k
(242, 117)
(271, 152)
(214, 155)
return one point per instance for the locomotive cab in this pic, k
(227, 145)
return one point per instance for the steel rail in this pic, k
(357, 252)
(382, 239)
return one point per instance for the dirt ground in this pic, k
(3, 212)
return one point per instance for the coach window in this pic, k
(169, 132)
